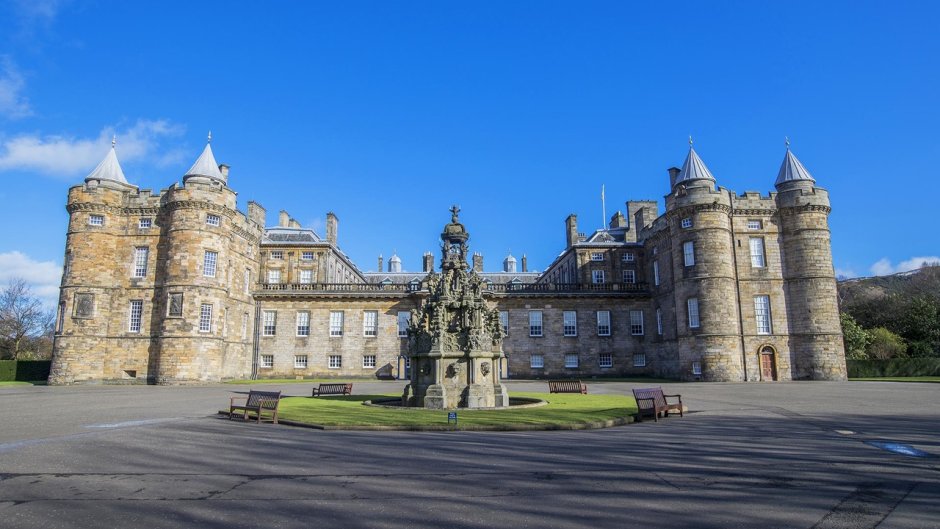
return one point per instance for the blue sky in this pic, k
(389, 112)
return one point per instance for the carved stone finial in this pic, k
(454, 210)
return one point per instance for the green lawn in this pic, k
(22, 383)
(244, 381)
(898, 379)
(563, 411)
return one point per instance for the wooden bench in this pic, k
(651, 401)
(567, 386)
(258, 402)
(343, 388)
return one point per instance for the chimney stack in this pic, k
(525, 263)
(673, 175)
(294, 223)
(332, 224)
(477, 262)
(571, 223)
(428, 262)
(380, 263)
(283, 220)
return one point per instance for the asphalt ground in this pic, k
(745, 455)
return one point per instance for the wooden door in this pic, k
(767, 368)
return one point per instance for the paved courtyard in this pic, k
(746, 455)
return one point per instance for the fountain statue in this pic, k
(455, 340)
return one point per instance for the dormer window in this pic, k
(597, 256)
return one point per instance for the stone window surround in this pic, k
(605, 360)
(268, 323)
(135, 315)
(337, 320)
(205, 318)
(141, 256)
(266, 361)
(536, 361)
(570, 323)
(210, 261)
(535, 323)
(368, 361)
(335, 362)
(370, 323)
(636, 323)
(303, 323)
(603, 323)
(300, 361)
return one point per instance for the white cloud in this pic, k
(884, 266)
(12, 102)
(845, 273)
(67, 157)
(43, 277)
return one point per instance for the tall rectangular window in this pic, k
(656, 273)
(303, 323)
(370, 323)
(205, 317)
(140, 261)
(247, 281)
(762, 314)
(571, 323)
(209, 261)
(136, 312)
(213, 220)
(603, 323)
(274, 277)
(269, 323)
(336, 323)
(306, 277)
(403, 317)
(688, 253)
(629, 276)
(636, 322)
(757, 252)
(659, 322)
(96, 220)
(504, 321)
(692, 304)
(597, 277)
(535, 323)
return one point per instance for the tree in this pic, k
(885, 344)
(920, 326)
(856, 338)
(22, 317)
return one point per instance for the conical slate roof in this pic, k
(694, 169)
(108, 169)
(791, 169)
(205, 166)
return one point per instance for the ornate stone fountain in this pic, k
(455, 340)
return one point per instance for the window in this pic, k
(762, 314)
(144, 223)
(370, 323)
(140, 261)
(336, 323)
(213, 220)
(247, 281)
(754, 224)
(274, 277)
(639, 359)
(692, 304)
(628, 257)
(629, 276)
(303, 324)
(403, 317)
(757, 252)
(535, 323)
(336, 362)
(656, 273)
(536, 361)
(368, 361)
(570, 323)
(245, 326)
(597, 256)
(208, 263)
(300, 361)
(269, 323)
(267, 361)
(306, 256)
(636, 322)
(687, 222)
(571, 360)
(659, 322)
(504, 321)
(60, 320)
(137, 310)
(696, 368)
(605, 360)
(597, 276)
(306, 277)
(205, 317)
(688, 253)
(96, 220)
(603, 323)
(277, 254)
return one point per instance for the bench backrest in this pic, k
(267, 398)
(565, 384)
(334, 387)
(649, 393)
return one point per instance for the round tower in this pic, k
(705, 288)
(91, 283)
(809, 278)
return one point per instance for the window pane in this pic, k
(205, 317)
(336, 323)
(208, 263)
(403, 317)
(688, 253)
(571, 323)
(757, 252)
(303, 324)
(535, 323)
(636, 322)
(693, 313)
(269, 321)
(603, 323)
(762, 314)
(137, 310)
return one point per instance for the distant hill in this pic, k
(858, 291)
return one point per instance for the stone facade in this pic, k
(719, 287)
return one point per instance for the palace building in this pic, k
(181, 287)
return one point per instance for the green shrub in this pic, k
(7, 370)
(885, 344)
(895, 367)
(24, 370)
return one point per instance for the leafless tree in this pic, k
(22, 316)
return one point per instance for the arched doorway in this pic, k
(768, 363)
